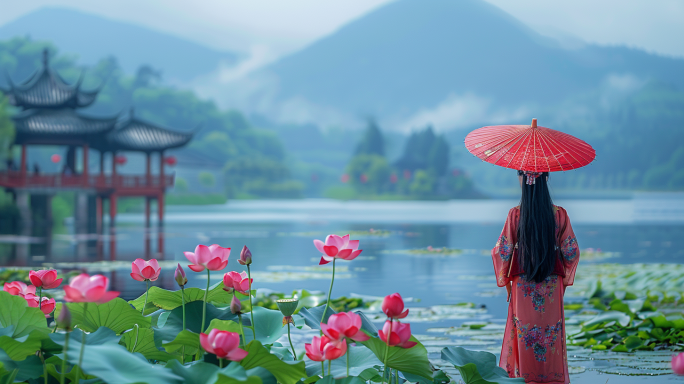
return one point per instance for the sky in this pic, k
(272, 28)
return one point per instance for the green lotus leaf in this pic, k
(14, 311)
(477, 367)
(412, 360)
(284, 372)
(29, 368)
(360, 359)
(169, 300)
(116, 315)
(141, 340)
(269, 325)
(203, 373)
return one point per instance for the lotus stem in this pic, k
(242, 331)
(183, 304)
(251, 309)
(147, 291)
(220, 362)
(204, 308)
(329, 367)
(64, 350)
(348, 353)
(40, 298)
(327, 302)
(45, 374)
(137, 335)
(204, 312)
(83, 342)
(290, 340)
(387, 337)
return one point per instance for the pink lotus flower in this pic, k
(237, 281)
(336, 247)
(213, 258)
(324, 348)
(393, 306)
(19, 288)
(678, 364)
(179, 276)
(47, 305)
(245, 256)
(223, 344)
(142, 270)
(400, 336)
(344, 324)
(45, 278)
(89, 289)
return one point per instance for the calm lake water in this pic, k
(644, 229)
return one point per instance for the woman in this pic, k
(535, 259)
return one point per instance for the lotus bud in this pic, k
(64, 318)
(235, 306)
(245, 256)
(180, 276)
(287, 308)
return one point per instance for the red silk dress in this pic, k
(534, 342)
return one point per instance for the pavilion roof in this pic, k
(47, 89)
(59, 126)
(134, 134)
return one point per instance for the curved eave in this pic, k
(141, 136)
(39, 126)
(47, 89)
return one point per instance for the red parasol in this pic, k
(529, 148)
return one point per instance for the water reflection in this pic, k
(275, 241)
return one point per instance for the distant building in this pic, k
(49, 116)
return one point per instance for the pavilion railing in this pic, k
(15, 179)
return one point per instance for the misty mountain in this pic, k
(95, 38)
(413, 62)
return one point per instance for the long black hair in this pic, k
(537, 229)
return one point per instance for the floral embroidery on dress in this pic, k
(569, 248)
(539, 340)
(505, 248)
(538, 292)
(554, 376)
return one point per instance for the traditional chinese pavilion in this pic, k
(50, 116)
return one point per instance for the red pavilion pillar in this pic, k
(160, 226)
(99, 202)
(160, 205)
(162, 183)
(112, 227)
(113, 169)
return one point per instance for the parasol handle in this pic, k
(534, 123)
